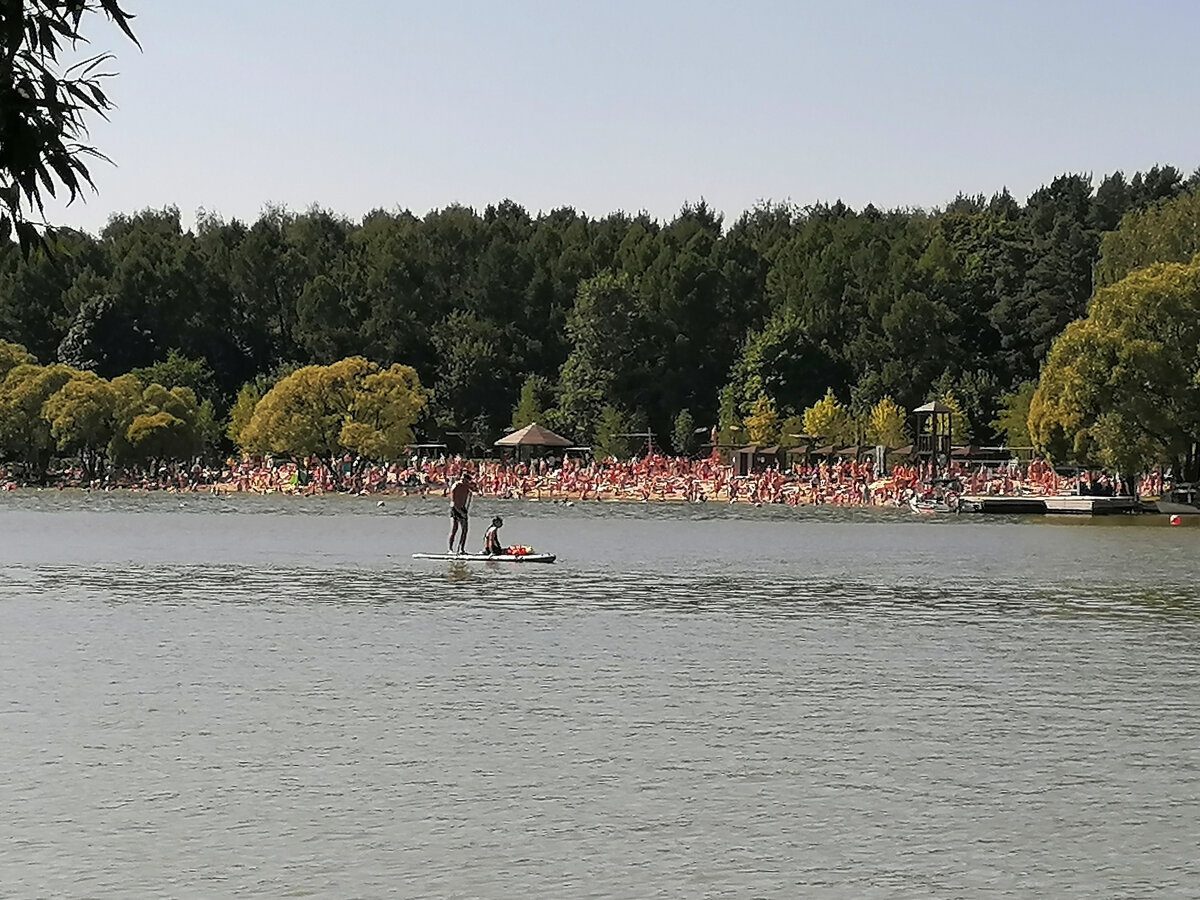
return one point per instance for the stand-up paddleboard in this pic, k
(489, 557)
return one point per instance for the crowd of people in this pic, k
(841, 482)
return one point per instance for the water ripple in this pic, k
(262, 701)
(524, 587)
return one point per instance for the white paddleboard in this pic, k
(488, 557)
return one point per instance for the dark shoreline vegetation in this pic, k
(1049, 324)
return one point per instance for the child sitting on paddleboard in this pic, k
(491, 538)
(492, 545)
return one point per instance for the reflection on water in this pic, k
(507, 586)
(266, 698)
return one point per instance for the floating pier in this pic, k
(1058, 505)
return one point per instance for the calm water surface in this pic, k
(269, 697)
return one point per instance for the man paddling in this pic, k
(460, 500)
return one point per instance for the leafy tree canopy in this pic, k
(13, 355)
(1122, 385)
(82, 418)
(612, 429)
(828, 419)
(683, 434)
(25, 435)
(179, 371)
(45, 100)
(645, 317)
(1169, 232)
(1012, 422)
(351, 406)
(887, 424)
(961, 429)
(536, 398)
(763, 421)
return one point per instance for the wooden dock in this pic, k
(1056, 505)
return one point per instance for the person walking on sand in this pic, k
(460, 501)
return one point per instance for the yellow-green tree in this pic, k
(152, 424)
(158, 436)
(961, 428)
(243, 411)
(166, 427)
(1013, 419)
(25, 435)
(763, 421)
(382, 413)
(303, 414)
(828, 419)
(82, 419)
(127, 393)
(536, 397)
(1122, 385)
(349, 406)
(11, 356)
(731, 430)
(791, 431)
(886, 424)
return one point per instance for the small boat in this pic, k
(942, 495)
(489, 557)
(928, 505)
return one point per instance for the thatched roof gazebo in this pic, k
(531, 436)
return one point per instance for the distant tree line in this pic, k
(602, 327)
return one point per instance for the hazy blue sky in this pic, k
(362, 104)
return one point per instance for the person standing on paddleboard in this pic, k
(460, 501)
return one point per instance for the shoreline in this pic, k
(440, 495)
(710, 487)
(435, 502)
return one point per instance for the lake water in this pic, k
(209, 696)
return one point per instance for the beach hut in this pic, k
(742, 460)
(748, 460)
(798, 455)
(766, 457)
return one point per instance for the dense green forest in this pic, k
(593, 325)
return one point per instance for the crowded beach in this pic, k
(653, 478)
